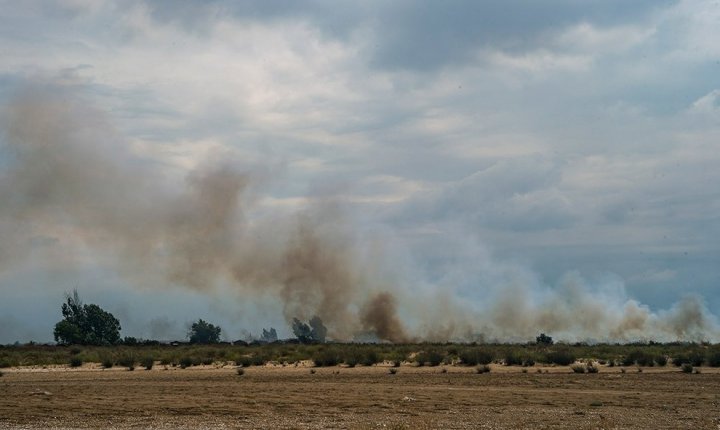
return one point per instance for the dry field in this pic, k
(358, 398)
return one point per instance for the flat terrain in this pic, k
(358, 398)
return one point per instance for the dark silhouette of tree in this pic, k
(204, 332)
(544, 339)
(86, 324)
(302, 331)
(269, 335)
(315, 332)
(319, 331)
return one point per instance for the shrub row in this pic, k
(363, 354)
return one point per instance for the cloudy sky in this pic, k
(552, 140)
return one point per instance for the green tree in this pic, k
(204, 332)
(302, 331)
(319, 331)
(314, 332)
(86, 324)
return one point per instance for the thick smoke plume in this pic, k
(68, 183)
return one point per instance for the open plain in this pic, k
(358, 398)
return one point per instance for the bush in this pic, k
(106, 362)
(369, 358)
(560, 357)
(431, 358)
(243, 361)
(357, 355)
(127, 360)
(713, 358)
(393, 370)
(186, 362)
(687, 368)
(695, 358)
(76, 362)
(591, 369)
(641, 358)
(512, 359)
(475, 356)
(661, 360)
(326, 358)
(578, 368)
(483, 368)
(240, 371)
(147, 363)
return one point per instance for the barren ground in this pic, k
(358, 398)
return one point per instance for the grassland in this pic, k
(350, 355)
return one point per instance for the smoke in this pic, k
(68, 183)
(380, 317)
(71, 181)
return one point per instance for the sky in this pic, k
(480, 160)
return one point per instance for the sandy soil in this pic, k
(358, 398)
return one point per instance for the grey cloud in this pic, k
(514, 194)
(420, 35)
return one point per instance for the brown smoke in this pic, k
(379, 316)
(71, 180)
(67, 183)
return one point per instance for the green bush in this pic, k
(475, 356)
(127, 360)
(713, 358)
(370, 358)
(326, 358)
(243, 361)
(687, 368)
(185, 362)
(147, 362)
(562, 357)
(76, 362)
(695, 358)
(107, 362)
(641, 358)
(512, 359)
(430, 358)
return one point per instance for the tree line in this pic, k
(89, 324)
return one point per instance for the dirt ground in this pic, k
(358, 398)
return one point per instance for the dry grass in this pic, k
(355, 398)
